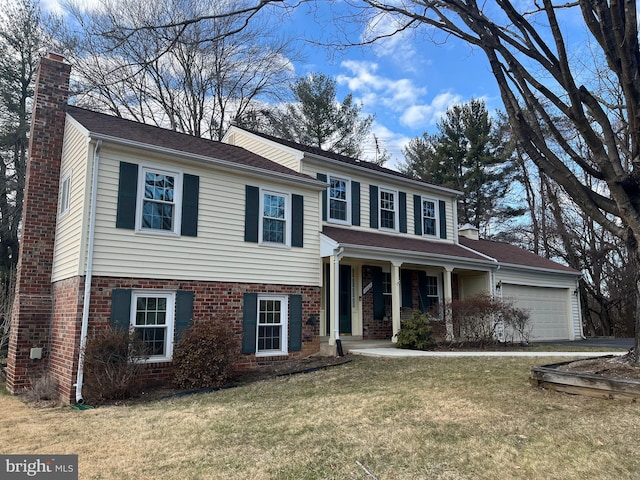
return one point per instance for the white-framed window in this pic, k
(272, 325)
(339, 199)
(65, 194)
(159, 208)
(386, 292)
(152, 319)
(275, 218)
(429, 219)
(388, 209)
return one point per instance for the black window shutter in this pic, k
(402, 197)
(295, 323)
(184, 311)
(406, 281)
(190, 194)
(417, 214)
(251, 214)
(355, 203)
(323, 177)
(443, 218)
(297, 221)
(127, 191)
(373, 206)
(422, 289)
(121, 308)
(249, 322)
(378, 293)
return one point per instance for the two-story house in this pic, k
(149, 229)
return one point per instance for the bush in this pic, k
(42, 389)
(113, 365)
(517, 322)
(204, 356)
(415, 333)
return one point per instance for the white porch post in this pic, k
(334, 295)
(448, 297)
(396, 299)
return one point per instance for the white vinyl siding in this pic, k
(278, 154)
(219, 252)
(68, 258)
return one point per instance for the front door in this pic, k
(344, 308)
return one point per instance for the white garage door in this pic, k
(548, 309)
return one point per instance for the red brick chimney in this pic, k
(32, 307)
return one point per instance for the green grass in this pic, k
(427, 418)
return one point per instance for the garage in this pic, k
(548, 307)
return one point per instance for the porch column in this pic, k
(396, 299)
(448, 297)
(334, 292)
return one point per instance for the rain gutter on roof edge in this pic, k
(448, 191)
(311, 182)
(575, 273)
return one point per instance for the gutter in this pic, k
(88, 274)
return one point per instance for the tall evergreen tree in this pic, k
(471, 153)
(316, 118)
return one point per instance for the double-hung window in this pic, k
(429, 222)
(339, 199)
(152, 319)
(159, 196)
(388, 209)
(433, 298)
(275, 227)
(272, 325)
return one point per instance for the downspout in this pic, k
(88, 273)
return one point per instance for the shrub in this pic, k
(517, 322)
(204, 356)
(113, 365)
(415, 332)
(42, 389)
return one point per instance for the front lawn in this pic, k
(428, 418)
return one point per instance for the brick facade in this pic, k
(33, 301)
(373, 328)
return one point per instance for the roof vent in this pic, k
(469, 231)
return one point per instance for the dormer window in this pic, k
(339, 199)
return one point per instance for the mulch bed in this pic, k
(620, 367)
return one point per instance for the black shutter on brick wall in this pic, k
(443, 218)
(378, 293)
(373, 206)
(249, 322)
(127, 195)
(355, 203)
(297, 221)
(323, 177)
(184, 311)
(295, 323)
(406, 281)
(251, 213)
(121, 308)
(190, 194)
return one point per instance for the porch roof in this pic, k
(400, 246)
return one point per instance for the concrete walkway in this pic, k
(387, 349)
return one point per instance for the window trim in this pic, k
(177, 200)
(287, 218)
(347, 187)
(396, 210)
(284, 323)
(170, 320)
(64, 199)
(436, 216)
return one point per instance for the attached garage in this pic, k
(549, 309)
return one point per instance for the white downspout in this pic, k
(88, 273)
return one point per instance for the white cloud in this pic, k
(421, 116)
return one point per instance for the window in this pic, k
(433, 299)
(339, 199)
(65, 192)
(429, 223)
(275, 227)
(272, 325)
(159, 194)
(388, 209)
(152, 318)
(386, 291)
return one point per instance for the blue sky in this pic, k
(406, 82)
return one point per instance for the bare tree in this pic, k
(188, 65)
(527, 54)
